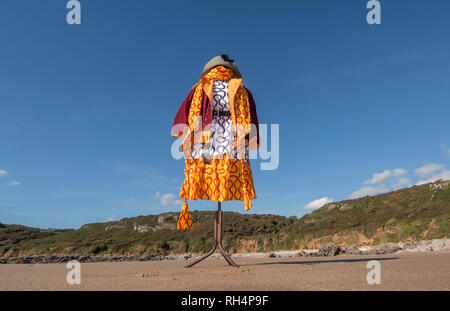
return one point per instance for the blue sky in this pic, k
(86, 110)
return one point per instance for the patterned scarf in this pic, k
(239, 108)
(240, 116)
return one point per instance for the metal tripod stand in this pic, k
(217, 240)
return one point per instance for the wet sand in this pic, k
(410, 271)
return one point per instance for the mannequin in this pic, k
(220, 124)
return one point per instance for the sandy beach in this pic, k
(406, 271)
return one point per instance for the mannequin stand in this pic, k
(217, 240)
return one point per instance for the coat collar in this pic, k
(233, 86)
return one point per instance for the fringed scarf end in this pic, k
(185, 219)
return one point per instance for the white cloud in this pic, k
(14, 183)
(378, 178)
(3, 173)
(111, 218)
(401, 182)
(157, 195)
(317, 203)
(375, 185)
(399, 172)
(445, 175)
(368, 190)
(169, 199)
(428, 169)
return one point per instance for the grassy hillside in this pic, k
(415, 213)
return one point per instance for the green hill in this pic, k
(415, 213)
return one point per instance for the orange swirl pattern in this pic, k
(240, 109)
(194, 121)
(242, 112)
(185, 219)
(219, 73)
(220, 180)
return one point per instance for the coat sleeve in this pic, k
(254, 139)
(181, 124)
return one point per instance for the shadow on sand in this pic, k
(313, 262)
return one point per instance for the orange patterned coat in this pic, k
(226, 175)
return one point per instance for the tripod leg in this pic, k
(228, 258)
(217, 241)
(203, 257)
(220, 230)
(213, 248)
